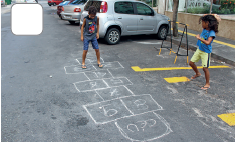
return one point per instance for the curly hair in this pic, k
(213, 23)
(92, 10)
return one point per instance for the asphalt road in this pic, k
(46, 96)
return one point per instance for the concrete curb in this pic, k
(194, 48)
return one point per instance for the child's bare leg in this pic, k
(98, 57)
(84, 56)
(207, 76)
(195, 69)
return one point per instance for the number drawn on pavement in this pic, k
(109, 112)
(141, 104)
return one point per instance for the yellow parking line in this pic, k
(177, 79)
(216, 41)
(228, 118)
(138, 69)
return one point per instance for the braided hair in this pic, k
(213, 23)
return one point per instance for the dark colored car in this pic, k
(59, 7)
(54, 2)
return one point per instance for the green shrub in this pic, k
(198, 10)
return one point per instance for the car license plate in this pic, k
(68, 17)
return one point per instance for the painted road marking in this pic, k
(177, 79)
(228, 118)
(138, 69)
(216, 41)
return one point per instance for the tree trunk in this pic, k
(211, 6)
(175, 15)
(186, 6)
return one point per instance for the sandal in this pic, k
(205, 88)
(100, 65)
(83, 66)
(195, 76)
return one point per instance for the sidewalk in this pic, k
(222, 49)
(6, 9)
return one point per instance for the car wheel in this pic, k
(54, 4)
(72, 22)
(162, 32)
(112, 36)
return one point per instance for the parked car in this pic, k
(73, 11)
(59, 7)
(20, 1)
(127, 17)
(3, 2)
(30, 1)
(54, 2)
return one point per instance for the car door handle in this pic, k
(141, 18)
(119, 17)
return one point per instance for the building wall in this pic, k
(226, 27)
(161, 6)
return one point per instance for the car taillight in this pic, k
(103, 7)
(62, 8)
(77, 10)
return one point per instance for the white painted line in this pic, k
(86, 76)
(110, 72)
(89, 114)
(78, 62)
(65, 70)
(121, 65)
(96, 74)
(99, 95)
(129, 90)
(159, 108)
(94, 68)
(106, 83)
(126, 107)
(168, 129)
(76, 87)
(102, 60)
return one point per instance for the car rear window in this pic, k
(124, 7)
(79, 2)
(96, 4)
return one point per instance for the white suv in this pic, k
(127, 17)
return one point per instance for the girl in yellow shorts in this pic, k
(210, 27)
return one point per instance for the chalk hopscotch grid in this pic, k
(99, 95)
(120, 98)
(92, 67)
(101, 60)
(159, 117)
(77, 67)
(115, 87)
(93, 72)
(129, 90)
(86, 75)
(85, 107)
(108, 86)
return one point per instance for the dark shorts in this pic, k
(93, 42)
